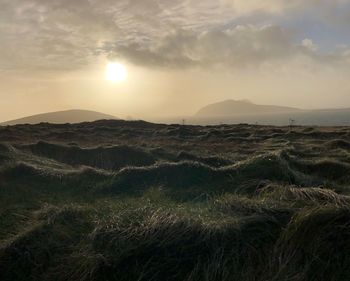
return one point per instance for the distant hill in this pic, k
(243, 111)
(61, 117)
(241, 107)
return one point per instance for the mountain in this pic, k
(243, 111)
(241, 107)
(61, 117)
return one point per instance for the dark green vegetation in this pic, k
(116, 200)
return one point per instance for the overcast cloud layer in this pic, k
(64, 34)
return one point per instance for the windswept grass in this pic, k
(113, 200)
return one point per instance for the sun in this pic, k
(116, 72)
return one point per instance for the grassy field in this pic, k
(117, 200)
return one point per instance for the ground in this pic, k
(117, 200)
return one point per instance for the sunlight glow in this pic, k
(116, 72)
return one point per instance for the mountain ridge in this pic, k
(241, 107)
(61, 117)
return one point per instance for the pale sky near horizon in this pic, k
(179, 54)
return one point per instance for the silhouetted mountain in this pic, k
(240, 107)
(61, 117)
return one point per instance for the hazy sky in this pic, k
(179, 54)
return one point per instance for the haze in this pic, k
(179, 55)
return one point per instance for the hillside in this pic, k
(241, 107)
(117, 200)
(235, 112)
(61, 117)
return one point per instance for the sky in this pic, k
(180, 55)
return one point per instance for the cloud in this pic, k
(285, 6)
(186, 48)
(65, 34)
(241, 46)
(309, 44)
(56, 35)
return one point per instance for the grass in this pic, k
(192, 212)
